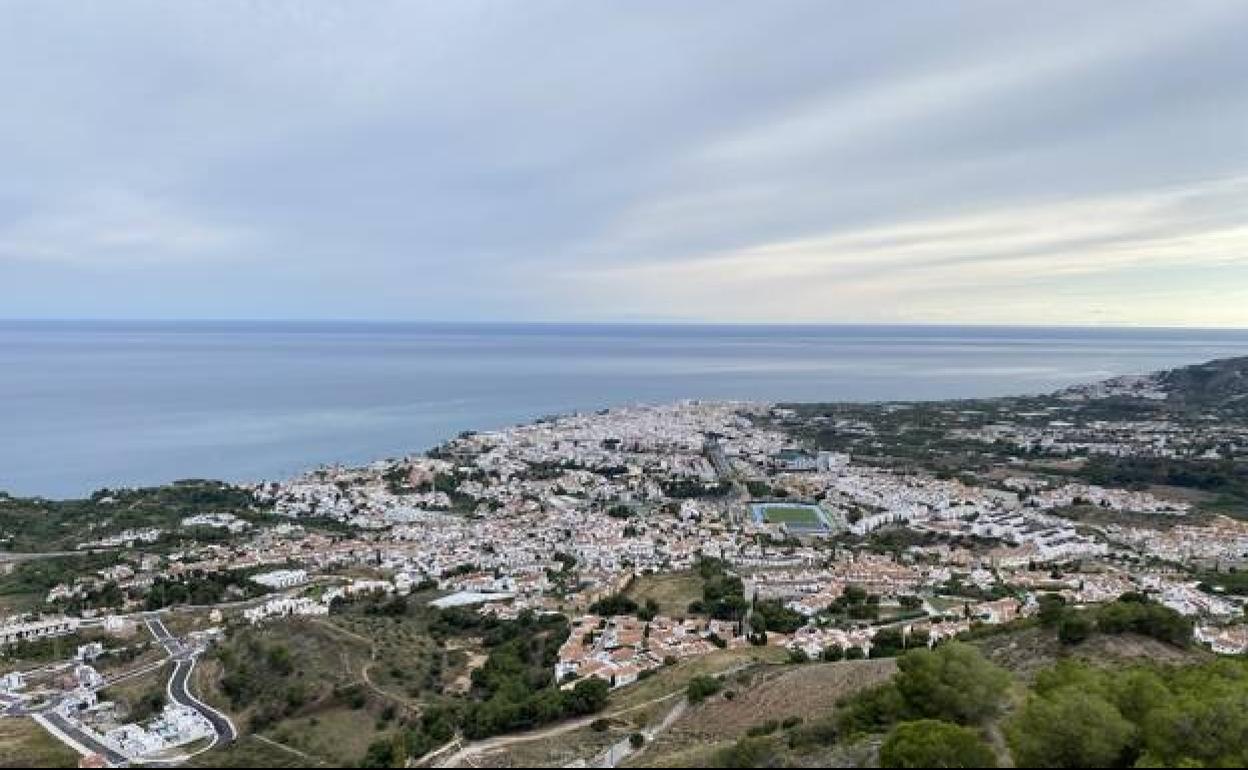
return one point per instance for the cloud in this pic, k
(1016, 263)
(104, 228)
(566, 160)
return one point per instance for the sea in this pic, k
(91, 404)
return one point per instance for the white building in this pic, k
(37, 629)
(282, 578)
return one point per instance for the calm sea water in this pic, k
(86, 404)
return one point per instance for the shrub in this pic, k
(1074, 629)
(702, 687)
(754, 751)
(932, 743)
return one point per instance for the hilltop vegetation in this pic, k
(932, 435)
(950, 707)
(1125, 691)
(1218, 385)
(38, 525)
(386, 665)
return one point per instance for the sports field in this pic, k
(795, 517)
(792, 515)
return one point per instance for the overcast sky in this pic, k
(996, 162)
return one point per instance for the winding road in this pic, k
(184, 659)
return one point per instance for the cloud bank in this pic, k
(995, 162)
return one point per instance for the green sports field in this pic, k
(792, 515)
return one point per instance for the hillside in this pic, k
(1219, 386)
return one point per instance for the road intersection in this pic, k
(54, 717)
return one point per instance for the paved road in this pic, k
(184, 658)
(157, 627)
(75, 734)
(180, 692)
(12, 556)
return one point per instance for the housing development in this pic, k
(593, 571)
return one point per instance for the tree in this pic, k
(615, 604)
(776, 617)
(588, 696)
(910, 602)
(953, 682)
(932, 743)
(1069, 727)
(1202, 729)
(888, 643)
(649, 611)
(1052, 609)
(1075, 628)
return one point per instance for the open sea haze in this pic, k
(85, 405)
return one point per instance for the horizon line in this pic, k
(656, 322)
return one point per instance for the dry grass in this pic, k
(182, 622)
(808, 692)
(556, 751)
(673, 592)
(1028, 651)
(338, 736)
(23, 743)
(249, 751)
(674, 679)
(128, 693)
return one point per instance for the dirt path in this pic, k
(363, 673)
(996, 739)
(290, 750)
(469, 751)
(623, 749)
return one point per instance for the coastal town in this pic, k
(791, 533)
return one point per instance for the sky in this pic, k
(905, 162)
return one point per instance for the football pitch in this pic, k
(794, 517)
(789, 514)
